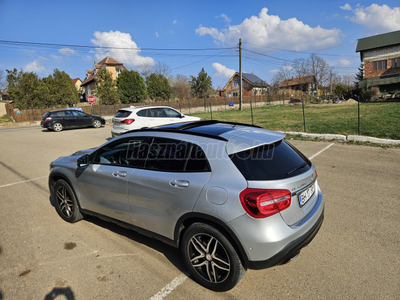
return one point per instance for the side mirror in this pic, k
(181, 116)
(83, 161)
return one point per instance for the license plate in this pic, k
(306, 195)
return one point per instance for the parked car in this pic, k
(57, 120)
(230, 196)
(138, 117)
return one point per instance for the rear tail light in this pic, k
(47, 119)
(262, 203)
(128, 121)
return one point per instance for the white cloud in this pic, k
(222, 71)
(275, 71)
(377, 18)
(287, 68)
(53, 56)
(157, 35)
(66, 51)
(344, 62)
(225, 17)
(346, 7)
(129, 55)
(175, 22)
(34, 67)
(269, 30)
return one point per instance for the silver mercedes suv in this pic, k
(230, 196)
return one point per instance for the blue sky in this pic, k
(278, 31)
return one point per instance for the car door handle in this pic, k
(179, 183)
(119, 174)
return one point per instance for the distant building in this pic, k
(305, 84)
(380, 55)
(90, 83)
(252, 85)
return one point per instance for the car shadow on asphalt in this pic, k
(171, 253)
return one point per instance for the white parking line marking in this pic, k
(10, 184)
(169, 287)
(318, 153)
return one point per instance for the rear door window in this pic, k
(271, 162)
(176, 156)
(142, 113)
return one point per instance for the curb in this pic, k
(353, 138)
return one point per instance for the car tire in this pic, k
(65, 202)
(96, 124)
(57, 127)
(211, 258)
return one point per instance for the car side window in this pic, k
(128, 152)
(175, 156)
(78, 113)
(157, 113)
(171, 113)
(64, 113)
(142, 113)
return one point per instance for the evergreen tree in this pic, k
(131, 87)
(201, 85)
(106, 90)
(61, 88)
(158, 87)
(25, 89)
(359, 75)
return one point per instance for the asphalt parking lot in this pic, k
(354, 256)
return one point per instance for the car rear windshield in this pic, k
(123, 113)
(46, 115)
(271, 162)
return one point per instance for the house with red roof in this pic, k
(90, 83)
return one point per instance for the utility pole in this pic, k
(240, 75)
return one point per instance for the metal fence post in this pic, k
(251, 109)
(211, 111)
(304, 116)
(359, 116)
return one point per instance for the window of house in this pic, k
(380, 65)
(235, 84)
(396, 63)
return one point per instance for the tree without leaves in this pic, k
(201, 85)
(181, 87)
(3, 81)
(158, 87)
(146, 69)
(131, 87)
(106, 90)
(318, 67)
(161, 68)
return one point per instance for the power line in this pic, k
(35, 44)
(295, 51)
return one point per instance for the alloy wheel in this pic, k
(65, 202)
(209, 258)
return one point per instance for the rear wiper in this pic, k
(298, 168)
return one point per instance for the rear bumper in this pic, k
(290, 251)
(270, 241)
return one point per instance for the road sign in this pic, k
(90, 99)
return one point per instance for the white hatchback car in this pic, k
(138, 117)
